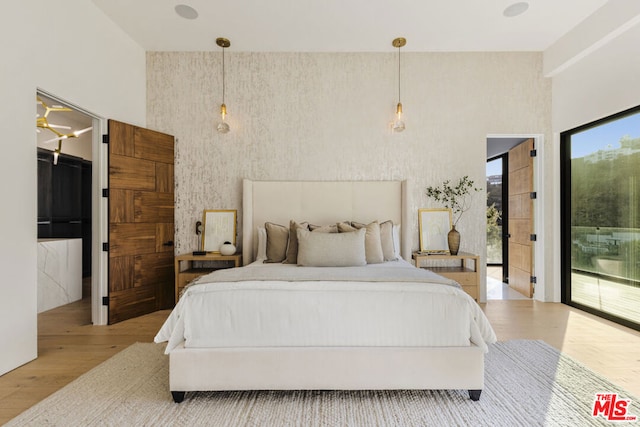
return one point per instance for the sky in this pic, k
(604, 136)
(494, 167)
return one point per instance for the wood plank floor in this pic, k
(69, 345)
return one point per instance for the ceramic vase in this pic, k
(227, 248)
(453, 238)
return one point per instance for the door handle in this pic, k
(168, 243)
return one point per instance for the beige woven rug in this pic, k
(527, 383)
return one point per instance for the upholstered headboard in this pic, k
(322, 202)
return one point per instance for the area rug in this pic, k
(527, 383)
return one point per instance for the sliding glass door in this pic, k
(601, 217)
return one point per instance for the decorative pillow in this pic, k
(262, 244)
(386, 241)
(345, 227)
(292, 250)
(396, 240)
(333, 228)
(331, 249)
(373, 244)
(277, 240)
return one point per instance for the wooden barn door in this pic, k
(521, 218)
(141, 209)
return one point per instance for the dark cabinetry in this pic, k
(64, 201)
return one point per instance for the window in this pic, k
(600, 193)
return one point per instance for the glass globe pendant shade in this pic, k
(398, 124)
(223, 127)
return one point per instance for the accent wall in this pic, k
(326, 116)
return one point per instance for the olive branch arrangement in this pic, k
(456, 197)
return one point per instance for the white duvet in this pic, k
(326, 311)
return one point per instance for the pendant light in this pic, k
(42, 122)
(223, 126)
(398, 123)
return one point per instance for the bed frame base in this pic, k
(178, 396)
(326, 368)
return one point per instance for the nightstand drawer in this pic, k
(193, 267)
(472, 291)
(463, 268)
(187, 276)
(462, 277)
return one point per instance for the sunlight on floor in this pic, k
(498, 290)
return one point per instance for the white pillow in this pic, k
(386, 241)
(262, 244)
(331, 249)
(396, 240)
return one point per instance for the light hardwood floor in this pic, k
(69, 345)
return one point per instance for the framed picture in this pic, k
(434, 226)
(219, 227)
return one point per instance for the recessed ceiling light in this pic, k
(187, 12)
(516, 9)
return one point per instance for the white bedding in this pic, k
(276, 313)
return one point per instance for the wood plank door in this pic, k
(141, 221)
(520, 221)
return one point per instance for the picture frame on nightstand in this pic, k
(219, 226)
(434, 224)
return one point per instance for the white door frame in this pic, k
(538, 211)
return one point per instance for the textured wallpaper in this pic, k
(326, 116)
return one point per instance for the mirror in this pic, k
(434, 227)
(219, 227)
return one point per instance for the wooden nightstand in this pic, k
(466, 271)
(187, 270)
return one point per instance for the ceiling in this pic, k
(347, 25)
(497, 146)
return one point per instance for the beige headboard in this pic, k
(322, 202)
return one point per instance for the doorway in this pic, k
(498, 216)
(511, 231)
(68, 143)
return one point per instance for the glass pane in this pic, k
(494, 211)
(605, 217)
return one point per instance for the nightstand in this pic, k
(465, 269)
(187, 267)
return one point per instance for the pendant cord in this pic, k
(399, 74)
(223, 75)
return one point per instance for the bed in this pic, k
(366, 326)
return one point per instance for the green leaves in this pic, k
(454, 196)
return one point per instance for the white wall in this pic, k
(71, 50)
(596, 80)
(325, 116)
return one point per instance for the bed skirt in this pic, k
(326, 368)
